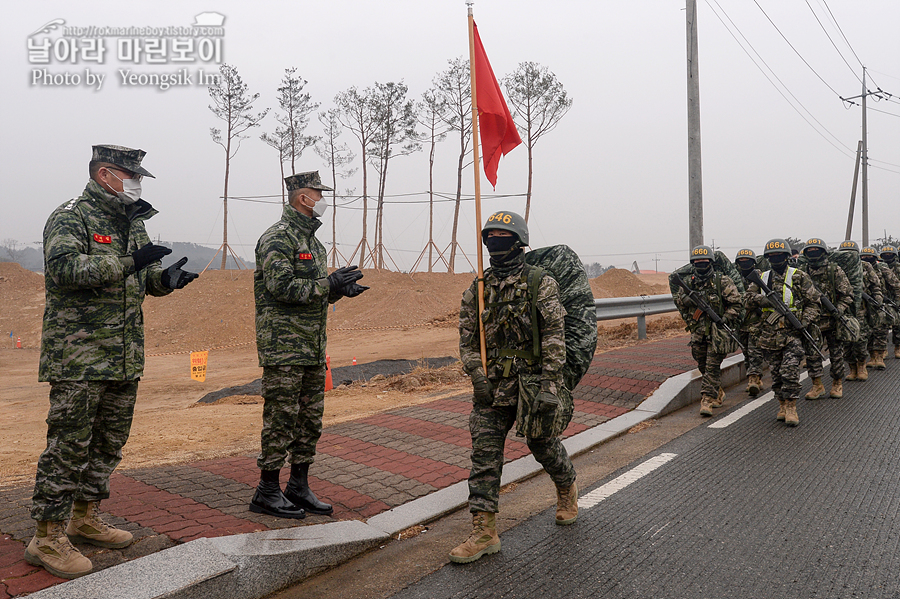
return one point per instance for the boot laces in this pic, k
(93, 515)
(56, 535)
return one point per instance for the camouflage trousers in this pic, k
(878, 339)
(292, 415)
(710, 365)
(858, 351)
(489, 426)
(785, 365)
(835, 353)
(87, 425)
(753, 357)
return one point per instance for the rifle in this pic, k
(832, 309)
(785, 312)
(703, 306)
(876, 303)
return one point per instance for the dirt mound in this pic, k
(22, 301)
(618, 282)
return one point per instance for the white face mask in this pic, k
(319, 208)
(131, 190)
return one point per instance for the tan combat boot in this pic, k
(706, 405)
(781, 410)
(837, 389)
(86, 526)
(852, 367)
(754, 385)
(50, 549)
(567, 505)
(790, 413)
(862, 373)
(482, 541)
(877, 362)
(897, 352)
(818, 390)
(720, 399)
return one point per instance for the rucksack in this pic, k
(564, 265)
(721, 264)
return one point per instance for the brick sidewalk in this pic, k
(363, 468)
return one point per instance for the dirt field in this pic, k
(400, 317)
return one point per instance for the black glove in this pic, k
(175, 278)
(147, 255)
(342, 277)
(482, 389)
(547, 400)
(352, 290)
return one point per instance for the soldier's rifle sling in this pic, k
(708, 310)
(785, 312)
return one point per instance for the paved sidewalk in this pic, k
(364, 467)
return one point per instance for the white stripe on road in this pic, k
(589, 500)
(746, 409)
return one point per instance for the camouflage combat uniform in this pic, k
(830, 281)
(748, 334)
(709, 346)
(781, 343)
(869, 317)
(895, 337)
(890, 286)
(292, 296)
(92, 345)
(508, 326)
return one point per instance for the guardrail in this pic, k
(611, 308)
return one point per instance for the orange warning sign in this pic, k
(198, 365)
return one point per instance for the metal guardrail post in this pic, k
(642, 327)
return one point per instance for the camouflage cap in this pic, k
(127, 158)
(308, 180)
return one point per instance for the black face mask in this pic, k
(869, 258)
(779, 263)
(745, 266)
(498, 246)
(703, 269)
(889, 258)
(816, 256)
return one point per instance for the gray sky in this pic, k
(610, 181)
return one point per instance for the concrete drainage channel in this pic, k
(257, 564)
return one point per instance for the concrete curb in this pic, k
(257, 564)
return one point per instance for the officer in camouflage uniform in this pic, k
(509, 338)
(709, 344)
(868, 316)
(830, 281)
(293, 290)
(781, 343)
(889, 255)
(890, 286)
(745, 261)
(98, 264)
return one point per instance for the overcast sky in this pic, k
(610, 181)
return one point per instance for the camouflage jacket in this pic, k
(93, 322)
(831, 282)
(752, 318)
(508, 326)
(891, 284)
(803, 300)
(873, 286)
(720, 292)
(292, 293)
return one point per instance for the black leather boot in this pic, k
(269, 499)
(298, 492)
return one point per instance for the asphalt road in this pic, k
(735, 506)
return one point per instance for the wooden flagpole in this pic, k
(477, 165)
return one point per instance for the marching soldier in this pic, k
(890, 286)
(753, 356)
(889, 255)
(868, 316)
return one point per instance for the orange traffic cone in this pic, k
(329, 385)
(18, 343)
(354, 360)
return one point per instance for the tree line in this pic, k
(385, 123)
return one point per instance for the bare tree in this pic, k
(337, 156)
(232, 104)
(356, 112)
(279, 141)
(297, 107)
(394, 136)
(539, 102)
(15, 250)
(429, 111)
(452, 91)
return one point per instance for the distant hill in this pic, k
(198, 257)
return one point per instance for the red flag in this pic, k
(498, 131)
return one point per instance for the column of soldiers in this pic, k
(793, 308)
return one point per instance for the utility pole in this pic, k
(695, 179)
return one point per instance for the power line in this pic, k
(832, 41)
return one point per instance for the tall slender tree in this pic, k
(356, 112)
(429, 111)
(279, 141)
(337, 156)
(296, 107)
(394, 136)
(538, 103)
(452, 89)
(233, 104)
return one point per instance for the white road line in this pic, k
(746, 409)
(589, 500)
